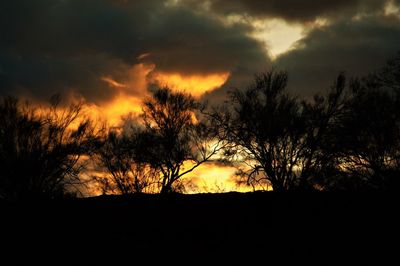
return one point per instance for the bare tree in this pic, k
(176, 139)
(264, 127)
(123, 172)
(278, 138)
(389, 76)
(367, 143)
(40, 149)
(323, 116)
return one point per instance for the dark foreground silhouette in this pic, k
(227, 229)
(344, 139)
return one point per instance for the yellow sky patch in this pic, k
(278, 35)
(212, 177)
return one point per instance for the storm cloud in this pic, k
(49, 46)
(76, 46)
(356, 47)
(295, 10)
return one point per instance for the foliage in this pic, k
(176, 139)
(124, 172)
(40, 151)
(283, 141)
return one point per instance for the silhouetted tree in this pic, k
(40, 149)
(124, 171)
(389, 76)
(323, 116)
(279, 139)
(265, 128)
(176, 139)
(367, 143)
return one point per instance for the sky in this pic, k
(110, 52)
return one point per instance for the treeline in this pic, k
(346, 139)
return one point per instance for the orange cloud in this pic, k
(130, 92)
(128, 99)
(138, 80)
(133, 89)
(112, 112)
(113, 83)
(196, 85)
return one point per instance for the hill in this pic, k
(225, 228)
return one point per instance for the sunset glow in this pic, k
(128, 98)
(113, 111)
(212, 177)
(113, 83)
(139, 78)
(118, 64)
(196, 85)
(206, 131)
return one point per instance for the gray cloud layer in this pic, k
(295, 10)
(55, 45)
(49, 46)
(356, 47)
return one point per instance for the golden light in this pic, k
(129, 96)
(213, 177)
(133, 89)
(196, 85)
(112, 112)
(127, 99)
(113, 83)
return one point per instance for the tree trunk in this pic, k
(166, 189)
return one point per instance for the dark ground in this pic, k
(205, 229)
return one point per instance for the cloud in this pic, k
(294, 10)
(196, 85)
(102, 48)
(50, 46)
(356, 46)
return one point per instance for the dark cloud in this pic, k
(354, 46)
(295, 10)
(48, 46)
